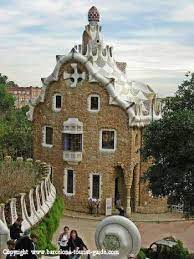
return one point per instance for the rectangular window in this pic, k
(94, 104)
(96, 186)
(48, 135)
(58, 102)
(73, 142)
(108, 139)
(70, 181)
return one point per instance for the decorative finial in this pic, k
(93, 14)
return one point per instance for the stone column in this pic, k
(136, 184)
(44, 206)
(128, 174)
(2, 213)
(39, 211)
(13, 210)
(26, 224)
(33, 215)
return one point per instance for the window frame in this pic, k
(89, 103)
(65, 181)
(115, 140)
(91, 185)
(54, 102)
(44, 136)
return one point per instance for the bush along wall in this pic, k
(49, 225)
(164, 252)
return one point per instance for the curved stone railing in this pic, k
(44, 191)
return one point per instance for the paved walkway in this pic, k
(148, 225)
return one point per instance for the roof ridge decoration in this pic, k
(137, 99)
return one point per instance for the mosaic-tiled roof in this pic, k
(138, 99)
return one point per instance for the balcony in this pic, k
(72, 157)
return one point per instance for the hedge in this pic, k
(47, 227)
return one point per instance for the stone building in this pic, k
(24, 94)
(88, 125)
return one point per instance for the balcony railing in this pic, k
(72, 156)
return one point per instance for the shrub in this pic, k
(141, 254)
(16, 177)
(175, 252)
(49, 225)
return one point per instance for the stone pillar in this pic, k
(4, 236)
(136, 173)
(2, 213)
(26, 224)
(13, 210)
(128, 174)
(44, 206)
(39, 211)
(33, 215)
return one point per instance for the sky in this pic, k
(155, 37)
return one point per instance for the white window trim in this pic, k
(115, 141)
(44, 144)
(54, 102)
(65, 181)
(89, 103)
(91, 185)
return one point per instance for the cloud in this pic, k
(147, 34)
(184, 14)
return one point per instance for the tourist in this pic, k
(75, 243)
(63, 242)
(15, 229)
(11, 247)
(27, 243)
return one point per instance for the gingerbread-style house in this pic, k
(88, 122)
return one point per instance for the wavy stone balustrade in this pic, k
(44, 191)
(34, 218)
(2, 213)
(13, 210)
(26, 224)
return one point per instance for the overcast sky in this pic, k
(155, 37)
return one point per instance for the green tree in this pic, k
(170, 142)
(3, 79)
(6, 100)
(15, 129)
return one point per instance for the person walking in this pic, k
(76, 244)
(15, 229)
(63, 242)
(27, 243)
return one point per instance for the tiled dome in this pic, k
(93, 14)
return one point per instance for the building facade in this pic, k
(88, 125)
(24, 94)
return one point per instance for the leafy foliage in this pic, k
(49, 225)
(170, 141)
(175, 252)
(15, 129)
(4, 80)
